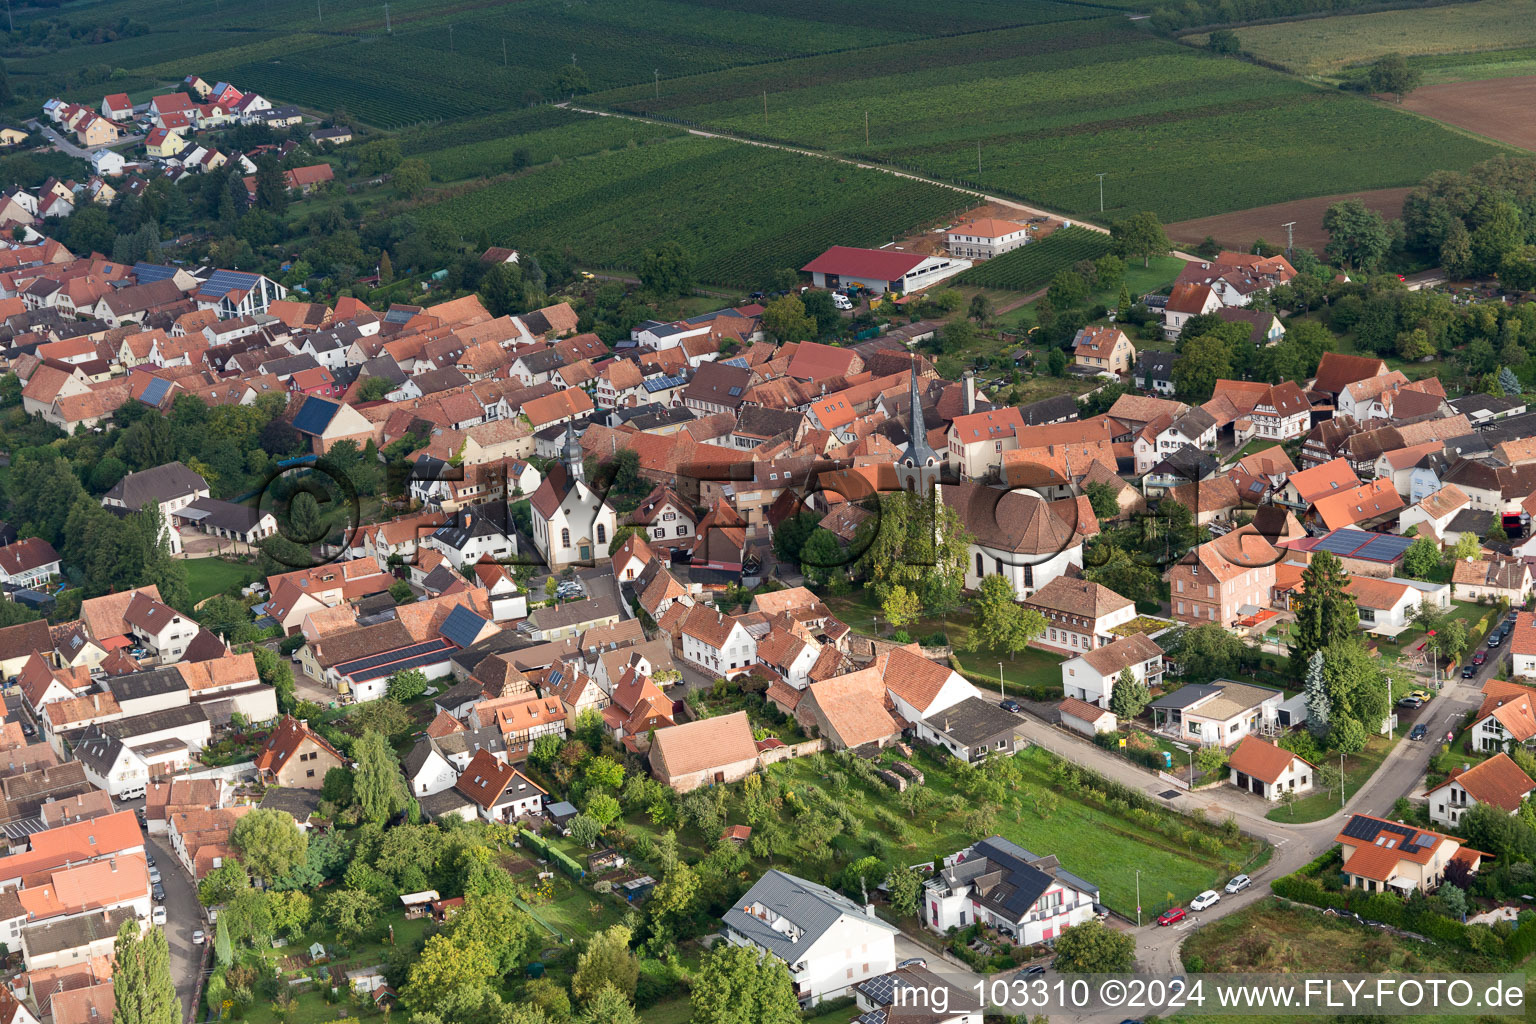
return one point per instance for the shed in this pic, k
(1293, 712)
(1088, 719)
(637, 888)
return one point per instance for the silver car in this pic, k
(1239, 883)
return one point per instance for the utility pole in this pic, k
(1290, 237)
(658, 83)
(8, 15)
(978, 158)
(1138, 897)
(450, 38)
(765, 106)
(319, 14)
(503, 51)
(1101, 190)
(387, 29)
(1000, 687)
(1341, 780)
(866, 121)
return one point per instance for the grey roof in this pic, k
(434, 381)
(435, 805)
(812, 909)
(560, 810)
(1155, 365)
(1194, 423)
(156, 721)
(98, 751)
(470, 741)
(301, 803)
(1184, 696)
(1049, 410)
(1005, 877)
(148, 683)
(973, 721)
(224, 515)
(488, 520)
(418, 756)
(287, 366)
(172, 480)
(1188, 463)
(466, 692)
(75, 932)
(601, 606)
(1488, 405)
(383, 365)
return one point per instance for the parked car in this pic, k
(1495, 638)
(198, 938)
(915, 961)
(1419, 732)
(1423, 695)
(157, 916)
(1173, 915)
(841, 301)
(28, 729)
(1011, 705)
(154, 875)
(1036, 969)
(1410, 702)
(149, 858)
(1239, 883)
(158, 892)
(1479, 657)
(1468, 671)
(1205, 900)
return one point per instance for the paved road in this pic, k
(184, 914)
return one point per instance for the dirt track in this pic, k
(1238, 230)
(1499, 108)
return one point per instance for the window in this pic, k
(309, 774)
(602, 534)
(565, 538)
(682, 531)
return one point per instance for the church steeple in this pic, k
(920, 465)
(571, 455)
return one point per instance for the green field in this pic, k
(209, 576)
(1032, 266)
(742, 210)
(1325, 46)
(1190, 134)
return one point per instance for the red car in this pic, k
(1172, 916)
(1479, 657)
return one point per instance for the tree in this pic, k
(490, 917)
(1128, 696)
(1091, 948)
(1392, 74)
(785, 318)
(981, 308)
(901, 607)
(585, 830)
(222, 883)
(447, 966)
(304, 521)
(604, 771)
(1208, 652)
(1056, 362)
(1422, 559)
(386, 715)
(1068, 290)
(607, 962)
(1347, 735)
(1203, 361)
(1468, 546)
(1103, 499)
(906, 890)
(1509, 381)
(1357, 235)
(918, 543)
(377, 782)
(351, 911)
(1223, 40)
(1325, 612)
(271, 185)
(407, 684)
(1517, 269)
(1319, 704)
(269, 843)
(1140, 235)
(569, 81)
(412, 177)
(276, 673)
(223, 950)
(736, 985)
(820, 308)
(144, 992)
(667, 271)
(386, 268)
(1001, 623)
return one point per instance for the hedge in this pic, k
(1392, 911)
(537, 843)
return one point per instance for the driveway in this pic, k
(183, 915)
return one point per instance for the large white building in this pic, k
(1015, 534)
(829, 943)
(1002, 885)
(985, 238)
(881, 270)
(571, 524)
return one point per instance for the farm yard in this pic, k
(1239, 229)
(744, 210)
(1043, 106)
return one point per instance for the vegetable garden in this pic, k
(1032, 266)
(743, 212)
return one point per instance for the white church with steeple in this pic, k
(920, 466)
(572, 524)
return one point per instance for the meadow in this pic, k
(1178, 131)
(1325, 46)
(742, 211)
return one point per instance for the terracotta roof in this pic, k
(1073, 595)
(1189, 298)
(1329, 478)
(1261, 759)
(703, 745)
(912, 677)
(1444, 502)
(854, 707)
(1337, 371)
(1358, 504)
(1081, 710)
(986, 227)
(1123, 653)
(1381, 845)
(285, 740)
(1511, 705)
(1497, 781)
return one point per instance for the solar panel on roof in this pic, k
(155, 391)
(380, 671)
(462, 626)
(147, 272)
(222, 281)
(351, 668)
(314, 415)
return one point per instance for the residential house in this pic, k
(1079, 613)
(829, 943)
(1029, 898)
(1386, 608)
(975, 442)
(1497, 782)
(717, 642)
(499, 792)
(1154, 371)
(985, 238)
(1103, 349)
(1186, 301)
(296, 756)
(1507, 716)
(1491, 580)
(1259, 767)
(972, 730)
(1385, 856)
(1217, 714)
(1217, 581)
(28, 562)
(1091, 676)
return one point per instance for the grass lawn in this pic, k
(1258, 444)
(1028, 668)
(1140, 280)
(577, 912)
(1357, 769)
(212, 575)
(1275, 938)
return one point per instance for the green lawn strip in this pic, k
(1358, 768)
(1028, 668)
(213, 575)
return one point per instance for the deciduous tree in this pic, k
(1140, 235)
(378, 785)
(269, 843)
(606, 962)
(737, 985)
(143, 991)
(1091, 948)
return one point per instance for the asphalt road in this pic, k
(183, 915)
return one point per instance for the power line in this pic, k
(1290, 237)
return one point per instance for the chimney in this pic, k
(970, 391)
